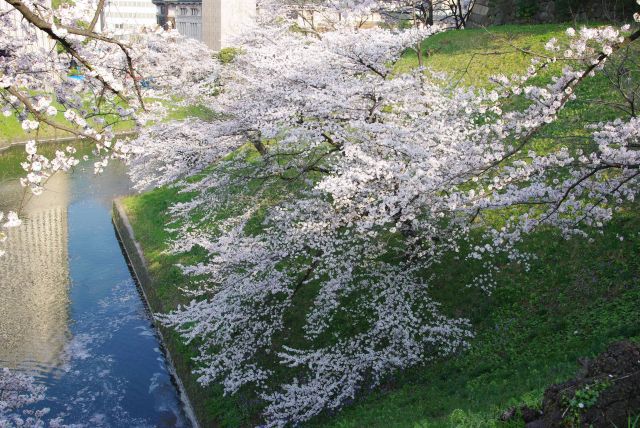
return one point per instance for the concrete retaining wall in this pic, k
(137, 263)
(479, 16)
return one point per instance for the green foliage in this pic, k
(633, 422)
(583, 399)
(227, 55)
(512, 11)
(615, 10)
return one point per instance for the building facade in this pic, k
(222, 20)
(129, 16)
(214, 22)
(166, 13)
(183, 15)
(188, 18)
(18, 31)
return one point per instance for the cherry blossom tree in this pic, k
(57, 70)
(343, 182)
(381, 173)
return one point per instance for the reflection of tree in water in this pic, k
(94, 348)
(34, 279)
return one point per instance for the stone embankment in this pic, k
(137, 263)
(499, 12)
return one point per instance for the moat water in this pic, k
(70, 312)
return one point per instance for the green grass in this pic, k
(477, 54)
(576, 299)
(150, 230)
(10, 160)
(11, 129)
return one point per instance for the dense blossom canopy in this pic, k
(395, 170)
(338, 182)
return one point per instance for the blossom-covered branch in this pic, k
(55, 70)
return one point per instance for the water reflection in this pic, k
(34, 278)
(70, 312)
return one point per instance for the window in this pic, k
(194, 11)
(183, 11)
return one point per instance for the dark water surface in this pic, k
(70, 312)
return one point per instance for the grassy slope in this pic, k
(147, 213)
(577, 298)
(148, 218)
